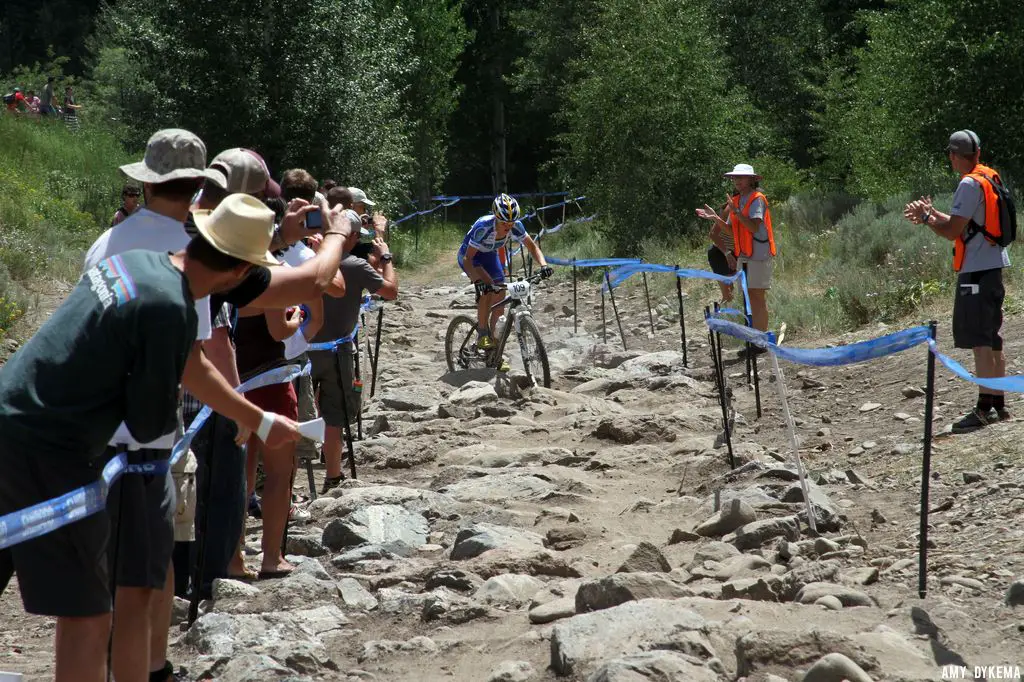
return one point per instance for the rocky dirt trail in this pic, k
(596, 531)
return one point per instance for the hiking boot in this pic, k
(974, 420)
(332, 482)
(485, 343)
(1004, 414)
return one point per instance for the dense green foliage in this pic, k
(57, 193)
(639, 104)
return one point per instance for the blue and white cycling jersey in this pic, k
(483, 235)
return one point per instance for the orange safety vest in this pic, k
(991, 229)
(743, 240)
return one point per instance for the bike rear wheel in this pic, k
(460, 350)
(534, 355)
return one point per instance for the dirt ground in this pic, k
(643, 491)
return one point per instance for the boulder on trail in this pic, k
(580, 643)
(612, 590)
(753, 535)
(483, 537)
(646, 558)
(659, 666)
(733, 514)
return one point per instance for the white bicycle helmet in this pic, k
(506, 209)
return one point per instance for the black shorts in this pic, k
(718, 262)
(62, 573)
(978, 310)
(141, 512)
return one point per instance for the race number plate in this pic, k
(519, 290)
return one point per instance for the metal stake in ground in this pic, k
(604, 319)
(575, 309)
(203, 521)
(344, 416)
(682, 318)
(615, 308)
(926, 466)
(780, 381)
(720, 384)
(757, 386)
(647, 297)
(376, 349)
(357, 384)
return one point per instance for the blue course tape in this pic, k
(39, 519)
(593, 262)
(826, 357)
(337, 343)
(445, 204)
(1014, 384)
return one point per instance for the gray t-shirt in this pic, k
(762, 249)
(980, 254)
(342, 314)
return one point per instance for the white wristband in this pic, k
(266, 423)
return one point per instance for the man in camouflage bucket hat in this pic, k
(172, 154)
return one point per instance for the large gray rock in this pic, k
(482, 537)
(847, 595)
(612, 590)
(768, 588)
(355, 595)
(473, 393)
(553, 610)
(836, 668)
(291, 638)
(712, 551)
(510, 589)
(410, 398)
(811, 572)
(305, 545)
(733, 514)
(753, 535)
(246, 668)
(511, 671)
(389, 526)
(658, 666)
(580, 643)
(646, 558)
(781, 651)
(381, 648)
(661, 363)
(499, 488)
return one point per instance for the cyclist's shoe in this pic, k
(485, 343)
(546, 272)
(331, 482)
(974, 420)
(1004, 414)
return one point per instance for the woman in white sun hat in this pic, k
(747, 218)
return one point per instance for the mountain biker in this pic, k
(479, 258)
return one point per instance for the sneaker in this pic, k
(255, 510)
(1004, 414)
(974, 420)
(332, 482)
(297, 515)
(485, 343)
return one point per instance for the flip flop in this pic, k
(271, 575)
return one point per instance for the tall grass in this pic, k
(58, 190)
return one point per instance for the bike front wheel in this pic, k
(460, 349)
(534, 355)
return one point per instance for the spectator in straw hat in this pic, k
(115, 351)
(747, 217)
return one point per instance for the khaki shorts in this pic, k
(759, 272)
(184, 474)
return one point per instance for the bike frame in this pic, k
(512, 317)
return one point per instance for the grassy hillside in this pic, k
(58, 191)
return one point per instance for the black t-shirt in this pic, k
(251, 288)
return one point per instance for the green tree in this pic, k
(653, 124)
(311, 83)
(439, 35)
(932, 67)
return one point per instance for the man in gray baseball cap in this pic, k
(979, 257)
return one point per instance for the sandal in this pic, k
(271, 575)
(246, 576)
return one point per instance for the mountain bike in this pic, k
(462, 353)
